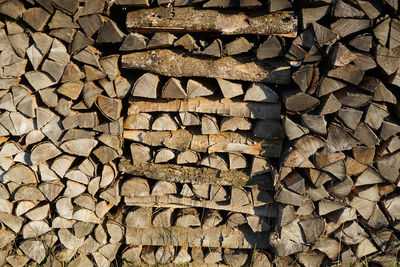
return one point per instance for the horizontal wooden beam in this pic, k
(190, 19)
(194, 175)
(176, 63)
(229, 142)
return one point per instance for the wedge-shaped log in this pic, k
(225, 107)
(186, 174)
(183, 236)
(180, 64)
(189, 19)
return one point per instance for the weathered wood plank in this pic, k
(187, 174)
(223, 142)
(189, 19)
(181, 64)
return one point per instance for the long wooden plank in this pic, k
(223, 142)
(225, 107)
(182, 64)
(187, 174)
(182, 236)
(189, 19)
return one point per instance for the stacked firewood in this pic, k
(218, 132)
(167, 164)
(338, 178)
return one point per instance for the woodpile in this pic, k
(199, 133)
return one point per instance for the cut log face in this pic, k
(301, 102)
(140, 154)
(111, 108)
(134, 42)
(164, 123)
(173, 89)
(161, 39)
(209, 125)
(197, 89)
(262, 93)
(142, 85)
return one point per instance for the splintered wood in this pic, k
(199, 133)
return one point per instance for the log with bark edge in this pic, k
(211, 21)
(179, 64)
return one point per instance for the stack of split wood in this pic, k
(337, 187)
(206, 132)
(167, 164)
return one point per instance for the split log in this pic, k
(188, 156)
(235, 257)
(34, 249)
(187, 42)
(215, 162)
(164, 123)
(188, 218)
(189, 119)
(142, 85)
(261, 93)
(79, 147)
(110, 107)
(239, 197)
(212, 21)
(301, 102)
(234, 123)
(223, 142)
(160, 40)
(164, 155)
(181, 65)
(140, 154)
(173, 89)
(140, 218)
(211, 219)
(209, 125)
(163, 218)
(110, 33)
(237, 161)
(238, 46)
(310, 15)
(134, 42)
(36, 17)
(271, 48)
(214, 49)
(187, 174)
(163, 188)
(197, 88)
(135, 187)
(230, 89)
(90, 24)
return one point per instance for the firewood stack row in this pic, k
(337, 183)
(204, 132)
(124, 143)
